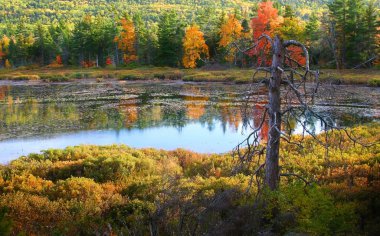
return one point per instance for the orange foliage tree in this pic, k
(58, 59)
(230, 32)
(57, 62)
(126, 40)
(266, 22)
(194, 46)
(4, 45)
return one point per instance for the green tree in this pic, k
(170, 33)
(43, 48)
(61, 35)
(371, 31)
(312, 28)
(338, 17)
(93, 40)
(355, 30)
(146, 38)
(312, 37)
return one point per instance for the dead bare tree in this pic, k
(291, 91)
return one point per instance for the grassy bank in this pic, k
(114, 190)
(363, 77)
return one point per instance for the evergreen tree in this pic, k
(170, 34)
(43, 48)
(371, 31)
(312, 37)
(338, 17)
(312, 29)
(354, 31)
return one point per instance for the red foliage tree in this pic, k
(58, 59)
(266, 22)
(108, 61)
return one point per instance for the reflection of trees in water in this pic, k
(130, 114)
(258, 111)
(4, 90)
(31, 117)
(230, 115)
(195, 109)
(195, 101)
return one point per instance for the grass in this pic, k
(363, 77)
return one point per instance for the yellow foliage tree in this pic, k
(230, 32)
(7, 64)
(5, 41)
(194, 46)
(4, 44)
(126, 40)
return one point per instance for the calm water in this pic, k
(200, 117)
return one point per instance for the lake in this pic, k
(203, 117)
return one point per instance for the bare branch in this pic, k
(305, 51)
(296, 175)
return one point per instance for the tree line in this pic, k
(343, 35)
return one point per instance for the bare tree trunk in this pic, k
(333, 45)
(273, 145)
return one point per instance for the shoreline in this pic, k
(233, 76)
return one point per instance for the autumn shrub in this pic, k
(80, 75)
(78, 188)
(175, 75)
(5, 222)
(27, 183)
(54, 77)
(131, 76)
(32, 214)
(314, 210)
(108, 169)
(25, 77)
(204, 76)
(374, 82)
(87, 190)
(132, 216)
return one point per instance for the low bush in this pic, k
(97, 190)
(25, 77)
(374, 82)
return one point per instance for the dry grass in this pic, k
(364, 77)
(369, 77)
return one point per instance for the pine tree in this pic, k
(338, 17)
(43, 47)
(354, 32)
(170, 33)
(312, 29)
(371, 39)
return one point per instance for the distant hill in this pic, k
(46, 11)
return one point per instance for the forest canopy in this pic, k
(338, 33)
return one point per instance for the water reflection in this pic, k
(202, 117)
